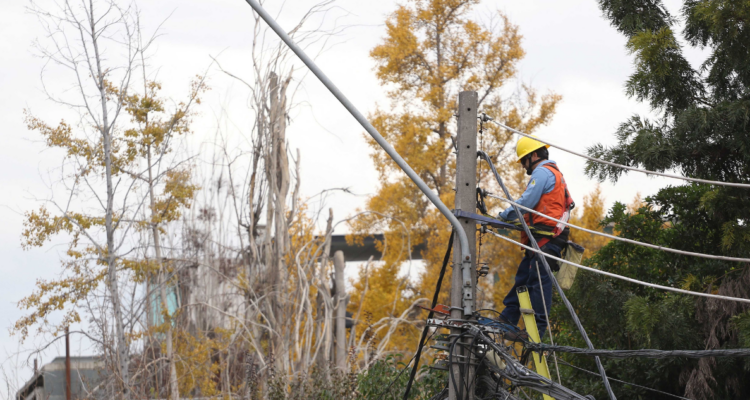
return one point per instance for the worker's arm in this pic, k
(542, 181)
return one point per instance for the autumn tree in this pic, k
(432, 50)
(168, 188)
(259, 276)
(589, 215)
(97, 206)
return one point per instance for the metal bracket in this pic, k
(448, 324)
(467, 292)
(482, 220)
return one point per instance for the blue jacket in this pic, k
(542, 181)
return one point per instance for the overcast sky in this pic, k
(571, 50)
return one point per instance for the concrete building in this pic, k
(48, 383)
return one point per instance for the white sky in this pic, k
(570, 49)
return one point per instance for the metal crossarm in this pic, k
(483, 220)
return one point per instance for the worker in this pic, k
(548, 194)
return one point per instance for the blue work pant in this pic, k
(527, 276)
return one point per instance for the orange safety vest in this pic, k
(557, 204)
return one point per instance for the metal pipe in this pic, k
(434, 199)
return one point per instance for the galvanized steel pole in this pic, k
(434, 199)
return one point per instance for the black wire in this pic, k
(489, 309)
(643, 353)
(450, 367)
(468, 355)
(418, 354)
(563, 362)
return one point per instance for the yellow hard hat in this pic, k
(526, 146)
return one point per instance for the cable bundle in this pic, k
(642, 353)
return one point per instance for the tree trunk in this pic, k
(112, 284)
(162, 282)
(277, 232)
(341, 299)
(324, 326)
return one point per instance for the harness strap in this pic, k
(567, 199)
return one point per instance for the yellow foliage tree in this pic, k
(431, 51)
(168, 188)
(134, 153)
(636, 204)
(589, 217)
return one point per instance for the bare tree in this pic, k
(96, 201)
(270, 282)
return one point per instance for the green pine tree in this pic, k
(702, 131)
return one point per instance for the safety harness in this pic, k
(544, 232)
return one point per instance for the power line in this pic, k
(642, 353)
(622, 239)
(567, 364)
(645, 171)
(624, 278)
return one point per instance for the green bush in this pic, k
(374, 383)
(385, 380)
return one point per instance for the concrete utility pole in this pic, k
(339, 264)
(466, 188)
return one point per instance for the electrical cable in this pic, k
(642, 353)
(624, 278)
(518, 375)
(446, 258)
(452, 379)
(467, 361)
(598, 160)
(567, 364)
(549, 324)
(564, 298)
(622, 239)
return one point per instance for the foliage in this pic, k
(113, 159)
(195, 363)
(624, 316)
(431, 51)
(589, 217)
(385, 379)
(85, 267)
(372, 384)
(701, 130)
